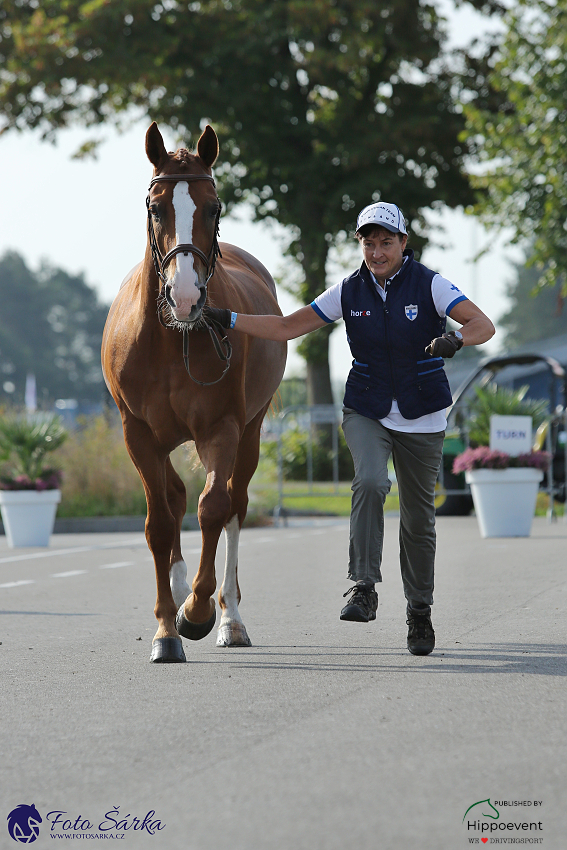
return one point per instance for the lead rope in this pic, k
(213, 328)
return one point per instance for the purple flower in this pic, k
(49, 480)
(484, 457)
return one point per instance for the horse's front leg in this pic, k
(196, 617)
(150, 462)
(177, 500)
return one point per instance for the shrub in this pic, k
(504, 402)
(25, 442)
(294, 456)
(99, 479)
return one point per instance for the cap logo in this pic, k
(383, 215)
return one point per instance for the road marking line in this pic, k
(70, 573)
(72, 551)
(115, 566)
(18, 583)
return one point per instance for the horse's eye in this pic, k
(154, 210)
(215, 211)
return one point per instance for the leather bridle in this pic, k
(160, 261)
(216, 331)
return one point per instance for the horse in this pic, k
(176, 378)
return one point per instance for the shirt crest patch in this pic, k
(411, 311)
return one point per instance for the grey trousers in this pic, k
(417, 458)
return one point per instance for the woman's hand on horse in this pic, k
(220, 315)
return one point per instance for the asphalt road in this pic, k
(323, 734)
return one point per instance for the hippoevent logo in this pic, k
(24, 821)
(23, 824)
(485, 822)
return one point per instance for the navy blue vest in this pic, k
(388, 340)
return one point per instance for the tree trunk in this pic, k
(315, 350)
(315, 346)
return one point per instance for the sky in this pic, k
(89, 216)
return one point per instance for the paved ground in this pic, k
(322, 735)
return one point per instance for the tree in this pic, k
(52, 327)
(321, 105)
(517, 132)
(535, 314)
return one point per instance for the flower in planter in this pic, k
(484, 457)
(25, 440)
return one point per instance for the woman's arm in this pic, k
(279, 328)
(476, 327)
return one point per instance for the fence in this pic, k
(306, 418)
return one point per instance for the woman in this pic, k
(396, 395)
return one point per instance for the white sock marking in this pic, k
(229, 586)
(178, 582)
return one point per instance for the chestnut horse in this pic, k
(171, 387)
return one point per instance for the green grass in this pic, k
(542, 505)
(319, 499)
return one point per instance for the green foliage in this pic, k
(290, 392)
(295, 447)
(26, 440)
(51, 326)
(321, 105)
(99, 479)
(503, 402)
(517, 130)
(535, 312)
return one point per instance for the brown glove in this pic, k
(445, 346)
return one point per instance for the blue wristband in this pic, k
(233, 319)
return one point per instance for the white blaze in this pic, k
(184, 283)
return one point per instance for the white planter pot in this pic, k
(504, 500)
(28, 516)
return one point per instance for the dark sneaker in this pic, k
(362, 605)
(421, 637)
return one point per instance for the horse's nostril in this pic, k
(168, 296)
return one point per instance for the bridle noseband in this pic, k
(216, 331)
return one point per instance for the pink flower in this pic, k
(484, 457)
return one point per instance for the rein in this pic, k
(220, 341)
(215, 330)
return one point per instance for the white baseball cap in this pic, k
(383, 215)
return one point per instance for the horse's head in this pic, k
(183, 217)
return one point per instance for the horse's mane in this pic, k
(182, 155)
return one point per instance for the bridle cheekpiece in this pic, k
(220, 340)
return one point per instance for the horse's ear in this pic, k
(208, 146)
(155, 148)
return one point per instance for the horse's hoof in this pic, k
(193, 631)
(168, 650)
(233, 634)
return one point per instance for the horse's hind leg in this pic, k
(231, 631)
(196, 617)
(176, 498)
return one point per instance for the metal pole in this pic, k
(336, 454)
(278, 510)
(551, 508)
(310, 452)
